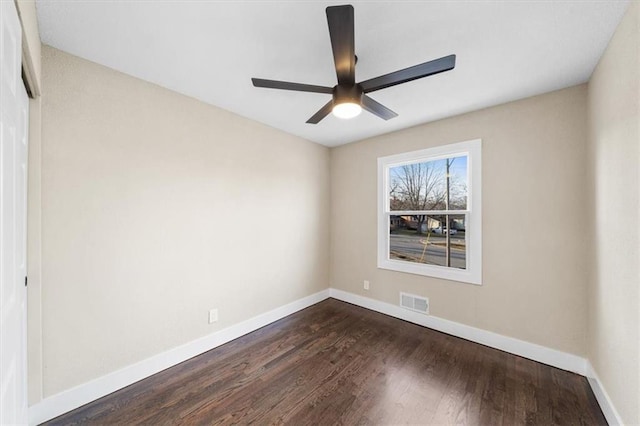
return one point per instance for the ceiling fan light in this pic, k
(347, 110)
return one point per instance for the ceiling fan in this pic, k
(349, 97)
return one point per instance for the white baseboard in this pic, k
(73, 398)
(555, 358)
(68, 400)
(607, 407)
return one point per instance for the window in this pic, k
(430, 213)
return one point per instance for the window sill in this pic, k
(435, 271)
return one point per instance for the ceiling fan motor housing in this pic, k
(347, 94)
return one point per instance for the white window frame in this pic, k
(473, 272)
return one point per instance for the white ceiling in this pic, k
(506, 50)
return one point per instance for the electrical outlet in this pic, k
(366, 285)
(213, 316)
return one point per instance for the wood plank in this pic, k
(336, 363)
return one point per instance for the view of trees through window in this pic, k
(429, 200)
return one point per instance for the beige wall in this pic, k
(614, 158)
(34, 241)
(156, 208)
(534, 266)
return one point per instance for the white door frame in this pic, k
(14, 124)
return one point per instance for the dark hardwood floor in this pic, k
(335, 363)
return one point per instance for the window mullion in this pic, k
(426, 212)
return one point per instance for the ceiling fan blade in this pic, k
(285, 85)
(377, 108)
(341, 31)
(408, 74)
(322, 113)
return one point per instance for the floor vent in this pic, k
(415, 303)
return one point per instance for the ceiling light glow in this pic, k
(347, 110)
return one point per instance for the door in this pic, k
(14, 115)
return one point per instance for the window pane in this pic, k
(424, 186)
(423, 239)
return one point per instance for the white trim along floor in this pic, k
(68, 400)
